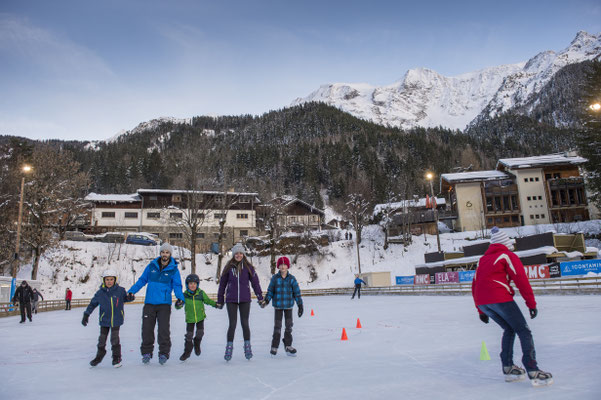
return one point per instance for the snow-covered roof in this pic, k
(474, 176)
(113, 198)
(287, 200)
(379, 208)
(195, 191)
(540, 161)
(546, 250)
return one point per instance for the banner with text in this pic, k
(422, 279)
(537, 271)
(466, 276)
(581, 267)
(447, 277)
(405, 280)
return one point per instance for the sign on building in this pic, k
(405, 280)
(581, 267)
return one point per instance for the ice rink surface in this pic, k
(409, 347)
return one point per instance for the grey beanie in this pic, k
(238, 248)
(167, 247)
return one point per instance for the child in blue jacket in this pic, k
(110, 297)
(284, 290)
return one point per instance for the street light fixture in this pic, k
(26, 169)
(430, 178)
(595, 107)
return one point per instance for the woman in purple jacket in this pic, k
(234, 285)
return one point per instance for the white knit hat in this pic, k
(167, 247)
(498, 236)
(238, 248)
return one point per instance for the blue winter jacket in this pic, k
(359, 281)
(111, 302)
(160, 283)
(283, 291)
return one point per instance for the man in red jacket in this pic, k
(68, 296)
(493, 296)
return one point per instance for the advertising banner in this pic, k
(447, 277)
(466, 276)
(405, 280)
(537, 271)
(422, 279)
(554, 270)
(581, 267)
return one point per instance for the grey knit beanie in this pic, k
(498, 236)
(167, 247)
(238, 248)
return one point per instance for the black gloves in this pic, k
(301, 310)
(262, 303)
(85, 319)
(533, 313)
(179, 304)
(219, 305)
(130, 297)
(484, 318)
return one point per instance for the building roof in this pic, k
(475, 176)
(540, 161)
(113, 198)
(287, 200)
(166, 191)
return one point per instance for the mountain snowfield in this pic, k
(79, 265)
(427, 99)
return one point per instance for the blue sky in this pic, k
(88, 69)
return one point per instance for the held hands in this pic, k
(263, 303)
(533, 313)
(219, 305)
(484, 318)
(179, 304)
(130, 297)
(85, 319)
(301, 310)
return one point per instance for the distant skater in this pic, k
(68, 297)
(24, 296)
(358, 282)
(36, 300)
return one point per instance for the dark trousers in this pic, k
(232, 313)
(511, 319)
(115, 343)
(200, 331)
(357, 291)
(277, 327)
(68, 304)
(25, 308)
(151, 313)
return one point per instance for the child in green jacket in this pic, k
(195, 299)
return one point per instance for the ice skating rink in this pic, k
(418, 347)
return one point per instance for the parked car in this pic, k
(78, 236)
(134, 238)
(110, 237)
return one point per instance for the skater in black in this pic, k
(24, 296)
(110, 297)
(358, 282)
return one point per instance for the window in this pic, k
(176, 235)
(200, 235)
(176, 198)
(218, 215)
(547, 176)
(108, 214)
(536, 179)
(505, 219)
(525, 179)
(529, 198)
(153, 215)
(531, 216)
(199, 216)
(498, 203)
(242, 216)
(157, 234)
(490, 220)
(514, 218)
(489, 204)
(216, 235)
(557, 175)
(219, 199)
(244, 199)
(540, 197)
(542, 215)
(537, 216)
(514, 202)
(176, 215)
(531, 179)
(153, 197)
(243, 233)
(131, 215)
(506, 205)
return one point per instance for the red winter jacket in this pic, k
(68, 295)
(496, 269)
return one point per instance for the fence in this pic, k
(563, 286)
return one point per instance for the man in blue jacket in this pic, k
(162, 277)
(358, 282)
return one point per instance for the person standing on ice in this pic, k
(357, 291)
(24, 295)
(36, 300)
(110, 297)
(284, 290)
(68, 297)
(162, 277)
(493, 296)
(234, 291)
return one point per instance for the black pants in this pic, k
(115, 343)
(357, 291)
(200, 331)
(68, 304)
(232, 313)
(277, 327)
(25, 307)
(151, 313)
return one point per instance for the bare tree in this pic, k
(274, 212)
(225, 201)
(357, 208)
(387, 212)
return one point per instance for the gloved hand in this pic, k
(179, 304)
(301, 310)
(85, 319)
(484, 318)
(533, 313)
(262, 303)
(130, 297)
(219, 306)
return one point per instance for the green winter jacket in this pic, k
(195, 305)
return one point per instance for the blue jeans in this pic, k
(510, 318)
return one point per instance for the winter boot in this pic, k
(248, 353)
(540, 378)
(187, 351)
(116, 355)
(290, 351)
(99, 356)
(229, 348)
(273, 351)
(197, 346)
(146, 358)
(514, 373)
(163, 358)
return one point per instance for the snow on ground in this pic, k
(79, 265)
(410, 347)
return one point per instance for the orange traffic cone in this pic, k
(312, 313)
(358, 323)
(344, 337)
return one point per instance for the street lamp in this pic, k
(595, 107)
(26, 169)
(430, 178)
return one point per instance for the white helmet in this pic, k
(109, 272)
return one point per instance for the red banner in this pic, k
(422, 279)
(537, 271)
(447, 277)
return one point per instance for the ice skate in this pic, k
(248, 353)
(99, 356)
(197, 346)
(514, 373)
(146, 358)
(229, 348)
(540, 378)
(116, 361)
(273, 351)
(163, 358)
(187, 351)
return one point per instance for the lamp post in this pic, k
(595, 107)
(26, 169)
(430, 177)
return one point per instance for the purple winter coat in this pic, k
(236, 288)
